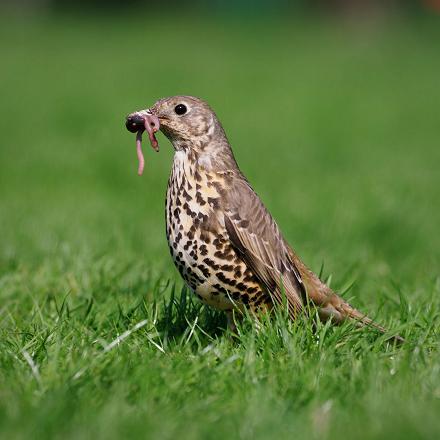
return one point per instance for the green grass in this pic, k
(337, 129)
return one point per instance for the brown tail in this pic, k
(340, 310)
(330, 305)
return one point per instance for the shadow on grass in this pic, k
(182, 312)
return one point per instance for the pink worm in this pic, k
(151, 124)
(139, 152)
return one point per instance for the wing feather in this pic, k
(257, 238)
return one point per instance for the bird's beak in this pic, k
(144, 120)
(139, 121)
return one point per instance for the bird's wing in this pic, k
(257, 238)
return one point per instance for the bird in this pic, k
(224, 242)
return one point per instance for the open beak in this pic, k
(141, 121)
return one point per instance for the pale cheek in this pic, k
(200, 126)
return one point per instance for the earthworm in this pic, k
(139, 152)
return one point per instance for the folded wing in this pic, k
(257, 238)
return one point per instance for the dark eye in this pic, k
(180, 109)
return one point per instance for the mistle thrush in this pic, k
(224, 242)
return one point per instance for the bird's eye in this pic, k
(180, 109)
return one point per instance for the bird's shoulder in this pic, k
(244, 207)
(250, 222)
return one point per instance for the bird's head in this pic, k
(188, 122)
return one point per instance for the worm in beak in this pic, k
(138, 122)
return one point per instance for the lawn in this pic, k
(337, 128)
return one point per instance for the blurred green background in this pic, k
(332, 111)
(334, 121)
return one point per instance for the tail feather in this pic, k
(330, 305)
(339, 311)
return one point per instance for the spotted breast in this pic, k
(198, 240)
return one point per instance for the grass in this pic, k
(337, 129)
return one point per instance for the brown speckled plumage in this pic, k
(224, 242)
